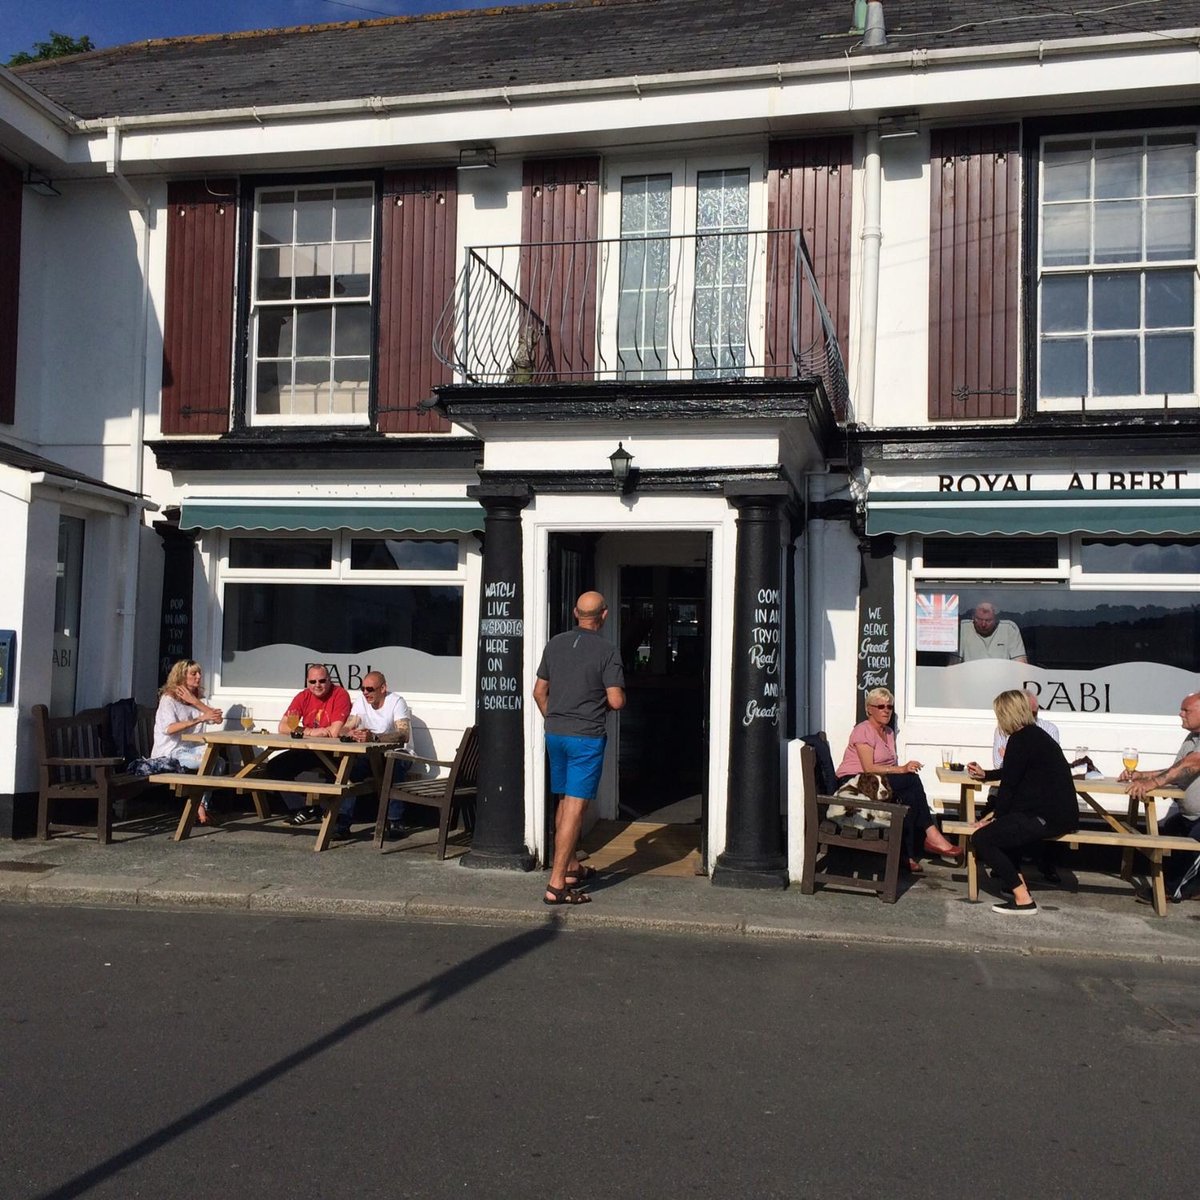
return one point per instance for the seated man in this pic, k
(376, 715)
(1183, 819)
(986, 636)
(322, 709)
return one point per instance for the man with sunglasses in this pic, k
(322, 708)
(377, 715)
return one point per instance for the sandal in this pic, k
(564, 895)
(580, 875)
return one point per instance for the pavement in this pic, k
(270, 867)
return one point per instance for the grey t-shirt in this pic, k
(1190, 804)
(579, 666)
(1004, 641)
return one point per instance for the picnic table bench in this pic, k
(1119, 832)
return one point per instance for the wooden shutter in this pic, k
(809, 187)
(416, 281)
(10, 286)
(198, 326)
(559, 227)
(974, 256)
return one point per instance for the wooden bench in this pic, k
(1154, 846)
(75, 763)
(327, 796)
(452, 795)
(821, 836)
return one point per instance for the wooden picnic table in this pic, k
(254, 748)
(1123, 832)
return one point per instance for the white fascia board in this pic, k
(939, 84)
(32, 126)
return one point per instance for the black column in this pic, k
(175, 629)
(500, 699)
(754, 855)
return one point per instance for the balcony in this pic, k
(712, 306)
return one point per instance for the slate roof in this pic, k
(557, 43)
(26, 460)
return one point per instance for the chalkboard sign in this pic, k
(175, 629)
(876, 620)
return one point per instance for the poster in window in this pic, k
(937, 621)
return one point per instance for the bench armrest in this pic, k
(895, 810)
(417, 758)
(83, 762)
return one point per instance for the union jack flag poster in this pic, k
(937, 622)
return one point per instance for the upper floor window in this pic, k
(311, 304)
(1117, 268)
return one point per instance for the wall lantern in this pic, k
(476, 158)
(620, 460)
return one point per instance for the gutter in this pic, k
(637, 86)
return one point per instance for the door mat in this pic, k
(644, 848)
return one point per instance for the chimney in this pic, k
(875, 35)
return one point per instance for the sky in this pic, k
(114, 22)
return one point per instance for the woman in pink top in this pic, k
(872, 751)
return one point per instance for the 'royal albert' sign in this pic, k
(1075, 481)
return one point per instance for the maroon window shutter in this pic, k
(809, 187)
(416, 282)
(559, 227)
(10, 286)
(198, 326)
(974, 256)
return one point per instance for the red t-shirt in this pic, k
(319, 714)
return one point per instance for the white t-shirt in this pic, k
(170, 710)
(382, 719)
(1000, 740)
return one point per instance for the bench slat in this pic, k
(1101, 837)
(251, 783)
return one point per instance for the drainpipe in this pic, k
(137, 414)
(872, 234)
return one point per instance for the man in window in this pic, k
(1179, 870)
(986, 636)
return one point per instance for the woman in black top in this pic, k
(1035, 800)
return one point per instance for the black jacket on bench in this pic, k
(1036, 779)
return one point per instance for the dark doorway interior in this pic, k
(664, 647)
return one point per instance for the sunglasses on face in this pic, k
(881, 706)
(314, 682)
(367, 691)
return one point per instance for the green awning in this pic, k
(1120, 513)
(313, 516)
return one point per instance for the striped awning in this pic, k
(313, 516)
(1120, 513)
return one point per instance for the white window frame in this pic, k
(1139, 268)
(256, 308)
(341, 573)
(684, 172)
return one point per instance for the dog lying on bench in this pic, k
(853, 817)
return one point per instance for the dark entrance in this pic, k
(665, 649)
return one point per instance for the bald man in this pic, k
(579, 681)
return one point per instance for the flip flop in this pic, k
(564, 895)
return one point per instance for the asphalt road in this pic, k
(214, 1054)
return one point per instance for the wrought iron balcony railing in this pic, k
(695, 306)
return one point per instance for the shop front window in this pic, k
(391, 604)
(1118, 633)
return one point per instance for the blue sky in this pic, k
(113, 22)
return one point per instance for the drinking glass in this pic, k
(247, 718)
(1129, 758)
(947, 757)
(291, 721)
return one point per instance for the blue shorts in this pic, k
(575, 764)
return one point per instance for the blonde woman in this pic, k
(181, 709)
(872, 750)
(1035, 800)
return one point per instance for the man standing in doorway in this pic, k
(579, 680)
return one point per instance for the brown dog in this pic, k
(854, 813)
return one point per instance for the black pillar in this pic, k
(175, 630)
(500, 700)
(754, 855)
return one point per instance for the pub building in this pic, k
(797, 352)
